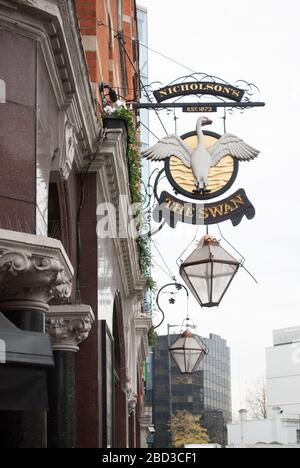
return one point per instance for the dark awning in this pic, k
(28, 348)
(23, 378)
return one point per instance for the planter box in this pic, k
(117, 123)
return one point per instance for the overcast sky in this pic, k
(257, 41)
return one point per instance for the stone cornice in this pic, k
(55, 24)
(69, 325)
(112, 166)
(33, 271)
(143, 324)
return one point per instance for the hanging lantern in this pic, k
(208, 272)
(187, 352)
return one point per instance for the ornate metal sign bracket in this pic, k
(212, 93)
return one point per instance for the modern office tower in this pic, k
(206, 392)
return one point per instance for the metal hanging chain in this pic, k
(242, 261)
(162, 269)
(163, 260)
(193, 240)
(150, 131)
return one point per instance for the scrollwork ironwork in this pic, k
(150, 198)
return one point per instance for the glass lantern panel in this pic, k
(199, 277)
(222, 275)
(187, 352)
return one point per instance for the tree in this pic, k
(186, 429)
(257, 399)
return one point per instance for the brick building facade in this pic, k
(56, 274)
(104, 26)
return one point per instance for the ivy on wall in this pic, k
(134, 159)
(134, 168)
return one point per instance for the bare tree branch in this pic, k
(257, 399)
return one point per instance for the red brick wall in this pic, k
(103, 51)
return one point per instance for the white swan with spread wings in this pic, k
(201, 159)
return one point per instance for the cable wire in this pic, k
(100, 23)
(163, 260)
(161, 268)
(120, 38)
(150, 131)
(167, 58)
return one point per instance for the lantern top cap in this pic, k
(187, 333)
(208, 239)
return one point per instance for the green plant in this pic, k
(144, 256)
(152, 338)
(134, 167)
(151, 284)
(134, 159)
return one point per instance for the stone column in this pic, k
(68, 326)
(33, 271)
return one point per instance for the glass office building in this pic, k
(206, 392)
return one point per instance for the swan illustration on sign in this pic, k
(201, 159)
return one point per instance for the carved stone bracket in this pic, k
(132, 399)
(69, 325)
(64, 156)
(33, 271)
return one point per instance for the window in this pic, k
(124, 76)
(54, 219)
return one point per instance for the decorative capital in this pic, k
(33, 271)
(69, 325)
(132, 399)
(68, 154)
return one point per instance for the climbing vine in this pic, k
(134, 168)
(134, 160)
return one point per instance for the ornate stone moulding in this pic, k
(69, 325)
(112, 166)
(143, 325)
(132, 400)
(33, 271)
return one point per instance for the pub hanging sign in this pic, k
(201, 166)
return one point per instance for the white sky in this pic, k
(257, 41)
